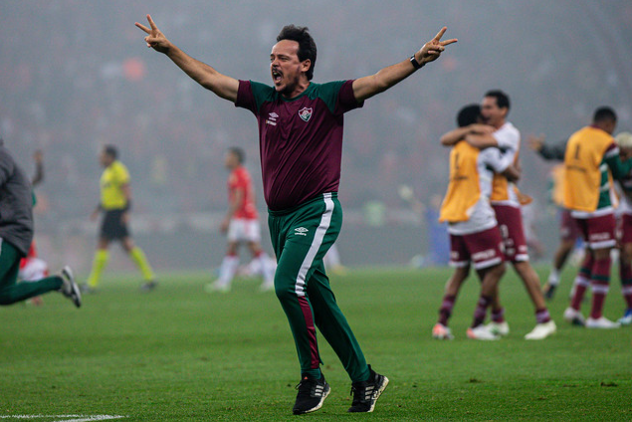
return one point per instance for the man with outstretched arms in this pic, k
(590, 153)
(300, 139)
(474, 234)
(498, 132)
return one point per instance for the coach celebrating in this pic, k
(300, 141)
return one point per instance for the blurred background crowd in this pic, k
(75, 75)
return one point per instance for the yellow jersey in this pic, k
(114, 177)
(589, 154)
(466, 204)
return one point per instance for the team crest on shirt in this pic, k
(305, 113)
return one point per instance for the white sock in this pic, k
(554, 277)
(332, 257)
(267, 268)
(227, 270)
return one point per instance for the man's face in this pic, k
(230, 160)
(609, 126)
(285, 67)
(625, 153)
(491, 114)
(105, 159)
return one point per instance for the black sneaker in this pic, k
(148, 286)
(311, 395)
(549, 291)
(366, 393)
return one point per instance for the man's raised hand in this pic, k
(154, 39)
(433, 48)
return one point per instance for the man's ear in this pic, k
(306, 64)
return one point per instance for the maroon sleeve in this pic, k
(346, 100)
(245, 98)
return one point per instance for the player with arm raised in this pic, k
(498, 132)
(591, 154)
(300, 142)
(474, 233)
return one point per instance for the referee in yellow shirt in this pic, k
(116, 203)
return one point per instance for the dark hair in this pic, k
(468, 115)
(239, 153)
(111, 150)
(306, 44)
(502, 99)
(603, 114)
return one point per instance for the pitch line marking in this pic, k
(77, 418)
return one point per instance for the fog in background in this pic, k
(75, 75)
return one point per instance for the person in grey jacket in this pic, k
(16, 235)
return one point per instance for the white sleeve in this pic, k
(496, 160)
(508, 138)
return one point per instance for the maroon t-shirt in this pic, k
(300, 140)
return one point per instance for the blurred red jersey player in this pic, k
(241, 225)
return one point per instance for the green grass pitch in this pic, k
(179, 354)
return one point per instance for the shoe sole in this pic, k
(540, 337)
(379, 393)
(318, 406)
(75, 294)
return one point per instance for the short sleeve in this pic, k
(122, 175)
(346, 99)
(508, 138)
(245, 97)
(495, 159)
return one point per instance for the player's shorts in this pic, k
(112, 228)
(624, 228)
(244, 230)
(569, 232)
(510, 223)
(483, 249)
(598, 232)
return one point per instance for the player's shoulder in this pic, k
(119, 169)
(320, 90)
(242, 173)
(262, 92)
(509, 129)
(119, 166)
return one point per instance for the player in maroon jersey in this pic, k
(300, 142)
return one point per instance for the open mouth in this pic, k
(276, 76)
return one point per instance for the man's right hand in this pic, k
(536, 142)
(155, 39)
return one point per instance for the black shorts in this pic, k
(112, 228)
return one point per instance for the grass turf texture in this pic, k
(179, 354)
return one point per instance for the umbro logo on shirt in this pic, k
(305, 113)
(272, 119)
(301, 231)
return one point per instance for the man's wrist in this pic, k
(415, 63)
